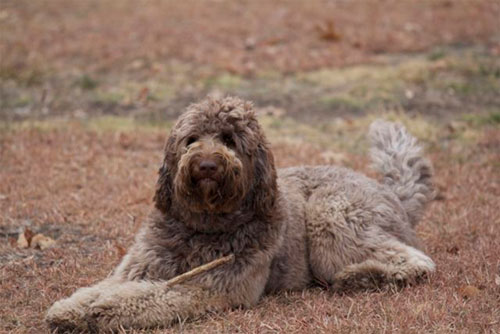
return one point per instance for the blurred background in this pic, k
(90, 88)
(313, 59)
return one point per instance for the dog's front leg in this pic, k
(146, 304)
(68, 314)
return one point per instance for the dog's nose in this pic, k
(208, 167)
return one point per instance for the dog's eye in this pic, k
(191, 140)
(227, 139)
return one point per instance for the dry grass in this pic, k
(91, 189)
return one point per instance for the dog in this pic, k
(219, 193)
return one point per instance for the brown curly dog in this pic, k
(218, 193)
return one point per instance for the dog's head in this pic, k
(217, 161)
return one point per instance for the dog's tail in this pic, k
(396, 154)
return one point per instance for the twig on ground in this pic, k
(199, 270)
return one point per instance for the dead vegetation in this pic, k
(236, 36)
(90, 190)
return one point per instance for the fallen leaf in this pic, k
(468, 291)
(497, 280)
(357, 44)
(441, 191)
(143, 94)
(22, 242)
(452, 250)
(29, 235)
(439, 196)
(41, 241)
(121, 250)
(456, 126)
(327, 31)
(125, 140)
(232, 68)
(447, 4)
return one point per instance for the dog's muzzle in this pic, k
(210, 178)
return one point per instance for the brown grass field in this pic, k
(88, 91)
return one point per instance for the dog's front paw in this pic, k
(103, 318)
(115, 312)
(70, 314)
(66, 316)
(133, 305)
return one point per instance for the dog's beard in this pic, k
(221, 194)
(207, 191)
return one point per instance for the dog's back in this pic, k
(359, 232)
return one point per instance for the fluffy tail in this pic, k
(396, 154)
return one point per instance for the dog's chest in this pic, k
(197, 249)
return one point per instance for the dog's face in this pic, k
(217, 161)
(211, 173)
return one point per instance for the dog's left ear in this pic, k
(163, 194)
(265, 188)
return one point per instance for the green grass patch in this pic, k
(345, 135)
(491, 118)
(124, 124)
(344, 102)
(437, 54)
(86, 82)
(100, 124)
(225, 81)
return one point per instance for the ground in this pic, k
(88, 91)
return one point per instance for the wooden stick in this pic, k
(199, 270)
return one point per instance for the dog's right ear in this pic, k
(164, 185)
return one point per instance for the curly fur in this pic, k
(398, 158)
(287, 229)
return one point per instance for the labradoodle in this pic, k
(219, 193)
